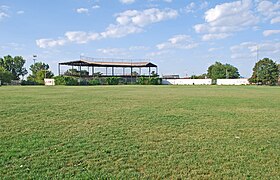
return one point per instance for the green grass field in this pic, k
(151, 132)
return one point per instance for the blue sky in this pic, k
(181, 36)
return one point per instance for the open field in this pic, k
(140, 132)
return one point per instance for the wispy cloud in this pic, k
(127, 22)
(82, 10)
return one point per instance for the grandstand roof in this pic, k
(108, 64)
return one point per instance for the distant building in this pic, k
(170, 76)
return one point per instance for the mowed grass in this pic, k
(132, 132)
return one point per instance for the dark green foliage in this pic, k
(83, 82)
(29, 83)
(149, 81)
(222, 71)
(14, 65)
(143, 81)
(97, 74)
(95, 81)
(154, 81)
(66, 80)
(5, 76)
(75, 72)
(265, 72)
(113, 80)
(202, 76)
(59, 80)
(70, 81)
(39, 72)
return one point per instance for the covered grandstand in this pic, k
(112, 67)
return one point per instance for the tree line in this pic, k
(265, 72)
(12, 68)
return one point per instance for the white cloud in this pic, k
(138, 48)
(227, 18)
(189, 8)
(44, 43)
(95, 7)
(214, 49)
(118, 31)
(208, 37)
(4, 12)
(157, 53)
(178, 42)
(271, 32)
(275, 20)
(192, 7)
(127, 1)
(113, 51)
(82, 10)
(127, 22)
(251, 49)
(3, 15)
(145, 17)
(13, 46)
(270, 10)
(81, 37)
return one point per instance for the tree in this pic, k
(265, 72)
(75, 72)
(222, 71)
(14, 66)
(39, 72)
(5, 76)
(202, 76)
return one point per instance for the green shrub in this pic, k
(29, 83)
(149, 81)
(66, 80)
(143, 81)
(71, 81)
(94, 82)
(113, 80)
(59, 80)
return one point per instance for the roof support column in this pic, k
(106, 71)
(131, 74)
(112, 71)
(58, 69)
(72, 71)
(149, 71)
(140, 71)
(123, 71)
(92, 71)
(157, 70)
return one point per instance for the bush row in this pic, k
(73, 81)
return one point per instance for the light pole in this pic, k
(257, 65)
(34, 58)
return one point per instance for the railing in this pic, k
(112, 59)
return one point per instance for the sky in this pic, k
(181, 36)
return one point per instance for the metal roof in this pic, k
(108, 64)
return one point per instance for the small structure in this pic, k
(49, 82)
(113, 64)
